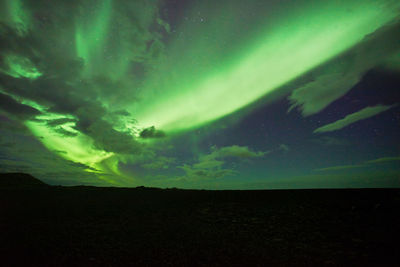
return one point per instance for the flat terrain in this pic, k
(87, 226)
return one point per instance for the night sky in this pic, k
(201, 94)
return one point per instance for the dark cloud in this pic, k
(108, 139)
(10, 124)
(151, 132)
(9, 105)
(64, 132)
(122, 113)
(58, 122)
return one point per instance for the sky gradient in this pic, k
(197, 94)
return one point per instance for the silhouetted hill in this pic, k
(96, 226)
(19, 180)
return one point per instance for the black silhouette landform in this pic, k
(43, 225)
(19, 180)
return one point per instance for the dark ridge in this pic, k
(19, 180)
(98, 226)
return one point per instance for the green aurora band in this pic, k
(191, 87)
(91, 35)
(300, 40)
(18, 16)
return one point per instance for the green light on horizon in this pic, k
(79, 148)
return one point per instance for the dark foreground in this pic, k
(88, 226)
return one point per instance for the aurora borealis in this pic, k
(197, 94)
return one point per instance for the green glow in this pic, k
(206, 70)
(18, 66)
(109, 42)
(297, 42)
(91, 33)
(78, 149)
(19, 16)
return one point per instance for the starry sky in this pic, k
(201, 94)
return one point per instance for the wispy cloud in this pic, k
(160, 162)
(383, 160)
(335, 78)
(236, 151)
(284, 147)
(352, 118)
(210, 166)
(361, 165)
(339, 168)
(331, 141)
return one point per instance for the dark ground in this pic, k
(87, 226)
